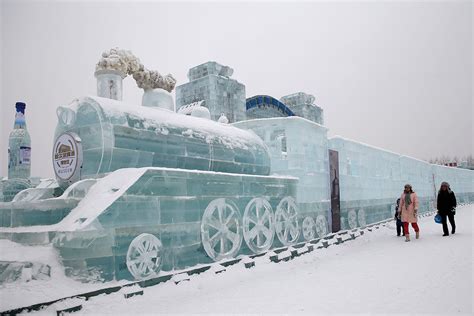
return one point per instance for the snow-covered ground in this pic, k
(20, 294)
(377, 273)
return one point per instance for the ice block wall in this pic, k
(371, 179)
(460, 180)
(115, 135)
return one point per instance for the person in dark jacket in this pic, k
(398, 219)
(447, 207)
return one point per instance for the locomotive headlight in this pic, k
(66, 116)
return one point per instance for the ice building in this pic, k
(265, 106)
(303, 105)
(212, 83)
(296, 104)
(142, 189)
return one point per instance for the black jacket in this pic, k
(396, 208)
(446, 202)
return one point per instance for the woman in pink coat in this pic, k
(409, 211)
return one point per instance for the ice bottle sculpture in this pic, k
(19, 147)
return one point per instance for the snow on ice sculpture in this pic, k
(114, 135)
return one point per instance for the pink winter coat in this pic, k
(408, 214)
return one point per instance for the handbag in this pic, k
(438, 219)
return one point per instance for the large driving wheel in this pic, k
(286, 221)
(221, 229)
(258, 225)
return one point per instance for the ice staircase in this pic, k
(31, 216)
(34, 216)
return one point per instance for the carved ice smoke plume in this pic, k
(124, 62)
(152, 79)
(120, 60)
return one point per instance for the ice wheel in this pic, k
(286, 221)
(309, 228)
(352, 219)
(144, 256)
(221, 230)
(258, 225)
(361, 218)
(321, 226)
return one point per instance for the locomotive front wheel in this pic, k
(144, 256)
(361, 218)
(286, 221)
(259, 230)
(352, 219)
(221, 229)
(309, 228)
(321, 226)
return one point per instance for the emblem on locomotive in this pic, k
(67, 156)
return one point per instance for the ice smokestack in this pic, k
(116, 64)
(111, 69)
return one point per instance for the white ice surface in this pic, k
(377, 273)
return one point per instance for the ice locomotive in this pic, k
(207, 195)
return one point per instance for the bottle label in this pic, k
(25, 155)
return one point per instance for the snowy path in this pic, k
(378, 273)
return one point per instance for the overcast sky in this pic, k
(396, 75)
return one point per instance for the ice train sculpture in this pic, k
(209, 190)
(143, 189)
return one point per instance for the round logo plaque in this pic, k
(67, 156)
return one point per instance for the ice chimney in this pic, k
(114, 65)
(109, 83)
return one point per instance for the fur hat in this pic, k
(444, 183)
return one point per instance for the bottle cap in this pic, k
(20, 107)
